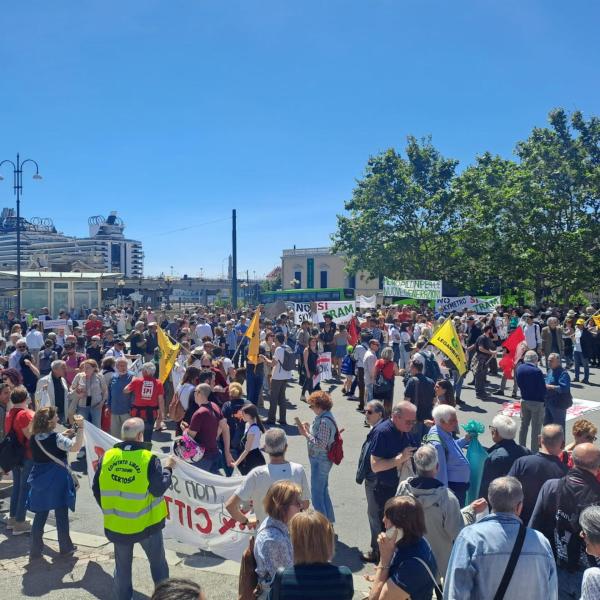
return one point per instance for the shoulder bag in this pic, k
(512, 563)
(59, 462)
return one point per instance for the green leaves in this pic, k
(534, 221)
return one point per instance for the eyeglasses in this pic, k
(369, 412)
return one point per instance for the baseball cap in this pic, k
(580, 322)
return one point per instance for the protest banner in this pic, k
(340, 311)
(136, 367)
(449, 304)
(323, 368)
(195, 502)
(513, 409)
(57, 324)
(486, 305)
(366, 301)
(421, 289)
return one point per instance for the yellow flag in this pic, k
(253, 334)
(446, 339)
(596, 320)
(168, 354)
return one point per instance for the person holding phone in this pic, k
(407, 567)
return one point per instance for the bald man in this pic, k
(556, 515)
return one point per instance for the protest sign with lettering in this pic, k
(323, 368)
(340, 311)
(487, 305)
(195, 502)
(366, 301)
(421, 289)
(57, 324)
(449, 304)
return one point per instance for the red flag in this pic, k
(507, 363)
(353, 332)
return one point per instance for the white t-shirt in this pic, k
(257, 483)
(203, 330)
(186, 391)
(369, 362)
(253, 429)
(279, 373)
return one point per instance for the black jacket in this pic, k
(501, 457)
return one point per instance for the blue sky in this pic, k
(174, 112)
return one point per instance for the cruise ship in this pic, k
(44, 248)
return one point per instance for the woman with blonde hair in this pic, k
(312, 577)
(88, 393)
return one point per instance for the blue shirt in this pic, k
(453, 464)
(559, 377)
(479, 558)
(409, 574)
(388, 442)
(119, 402)
(530, 380)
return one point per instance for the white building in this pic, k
(43, 247)
(318, 268)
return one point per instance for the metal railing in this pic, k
(306, 251)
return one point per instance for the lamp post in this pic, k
(294, 283)
(18, 188)
(244, 286)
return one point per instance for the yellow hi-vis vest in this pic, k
(127, 505)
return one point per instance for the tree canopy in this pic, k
(528, 224)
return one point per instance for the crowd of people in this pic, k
(532, 529)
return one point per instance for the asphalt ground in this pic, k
(89, 573)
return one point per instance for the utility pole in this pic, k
(234, 298)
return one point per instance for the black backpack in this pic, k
(289, 359)
(12, 452)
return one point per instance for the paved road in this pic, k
(89, 575)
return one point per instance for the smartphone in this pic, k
(298, 422)
(394, 533)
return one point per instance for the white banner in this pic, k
(487, 306)
(341, 312)
(580, 407)
(366, 301)
(449, 304)
(195, 502)
(421, 289)
(323, 368)
(57, 324)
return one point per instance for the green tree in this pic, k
(399, 212)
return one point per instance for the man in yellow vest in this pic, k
(129, 484)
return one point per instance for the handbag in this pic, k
(382, 386)
(60, 463)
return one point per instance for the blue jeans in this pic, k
(581, 361)
(155, 551)
(320, 466)
(396, 349)
(62, 526)
(552, 414)
(20, 491)
(569, 584)
(93, 414)
(210, 463)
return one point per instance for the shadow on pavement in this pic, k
(46, 576)
(348, 556)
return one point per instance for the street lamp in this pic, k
(121, 285)
(18, 188)
(244, 286)
(294, 283)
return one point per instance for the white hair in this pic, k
(131, 429)
(552, 320)
(149, 368)
(442, 413)
(531, 357)
(426, 460)
(505, 426)
(505, 494)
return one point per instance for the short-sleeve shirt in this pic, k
(387, 368)
(18, 419)
(93, 327)
(409, 574)
(146, 391)
(485, 342)
(388, 442)
(205, 423)
(257, 483)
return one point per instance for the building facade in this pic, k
(318, 268)
(44, 248)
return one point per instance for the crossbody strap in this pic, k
(512, 563)
(438, 589)
(51, 456)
